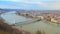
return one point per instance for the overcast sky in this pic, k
(31, 4)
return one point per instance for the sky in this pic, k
(31, 4)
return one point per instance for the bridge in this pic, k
(28, 22)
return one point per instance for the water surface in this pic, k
(11, 18)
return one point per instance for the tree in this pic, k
(27, 14)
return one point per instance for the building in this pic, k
(40, 17)
(56, 20)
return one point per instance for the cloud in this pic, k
(51, 4)
(14, 7)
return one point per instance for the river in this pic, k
(42, 26)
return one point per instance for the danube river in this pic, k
(32, 27)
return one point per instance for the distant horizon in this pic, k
(28, 9)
